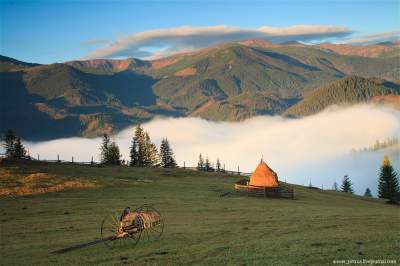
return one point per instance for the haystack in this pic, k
(264, 182)
(264, 176)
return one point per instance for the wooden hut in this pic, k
(264, 182)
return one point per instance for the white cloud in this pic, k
(316, 147)
(375, 38)
(163, 42)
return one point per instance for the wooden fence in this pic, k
(283, 191)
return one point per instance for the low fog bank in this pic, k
(315, 148)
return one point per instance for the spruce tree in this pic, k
(104, 149)
(150, 153)
(154, 158)
(200, 163)
(114, 156)
(388, 187)
(9, 143)
(167, 155)
(218, 165)
(368, 193)
(13, 146)
(141, 145)
(347, 186)
(134, 153)
(207, 165)
(19, 149)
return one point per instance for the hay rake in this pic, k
(127, 228)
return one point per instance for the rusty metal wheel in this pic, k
(152, 229)
(109, 228)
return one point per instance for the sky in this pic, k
(57, 31)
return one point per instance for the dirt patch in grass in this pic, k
(37, 183)
(186, 72)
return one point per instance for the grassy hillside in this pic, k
(348, 90)
(201, 227)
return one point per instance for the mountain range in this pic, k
(226, 82)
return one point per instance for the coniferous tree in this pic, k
(200, 164)
(207, 165)
(143, 152)
(19, 149)
(104, 149)
(133, 153)
(368, 193)
(141, 145)
(150, 153)
(13, 146)
(114, 156)
(347, 186)
(153, 156)
(167, 155)
(218, 165)
(9, 143)
(388, 187)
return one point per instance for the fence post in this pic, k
(58, 158)
(238, 170)
(184, 165)
(38, 157)
(72, 159)
(91, 161)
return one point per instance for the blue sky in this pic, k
(55, 31)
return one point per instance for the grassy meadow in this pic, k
(201, 227)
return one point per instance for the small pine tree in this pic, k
(13, 146)
(218, 165)
(167, 155)
(200, 164)
(104, 149)
(141, 145)
(114, 156)
(19, 149)
(154, 158)
(388, 187)
(133, 153)
(150, 153)
(368, 193)
(207, 165)
(9, 142)
(347, 186)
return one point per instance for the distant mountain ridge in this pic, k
(226, 82)
(345, 91)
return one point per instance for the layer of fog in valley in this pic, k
(316, 149)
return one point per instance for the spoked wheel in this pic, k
(109, 228)
(151, 222)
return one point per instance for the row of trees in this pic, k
(388, 185)
(379, 145)
(206, 165)
(143, 152)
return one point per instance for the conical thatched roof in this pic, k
(264, 176)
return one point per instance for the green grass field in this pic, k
(201, 228)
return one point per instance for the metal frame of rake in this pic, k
(144, 229)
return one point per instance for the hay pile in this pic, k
(37, 183)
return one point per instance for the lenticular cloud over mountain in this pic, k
(181, 39)
(313, 149)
